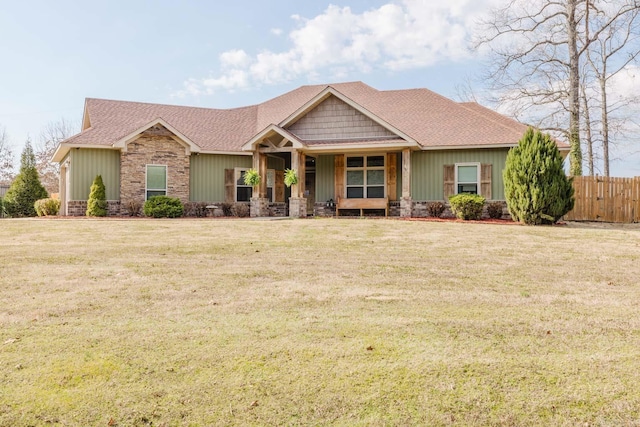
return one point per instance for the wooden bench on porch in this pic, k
(362, 204)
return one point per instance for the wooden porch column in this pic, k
(406, 204)
(302, 174)
(406, 173)
(262, 192)
(295, 165)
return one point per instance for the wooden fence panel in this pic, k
(606, 199)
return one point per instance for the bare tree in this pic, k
(50, 138)
(617, 47)
(6, 158)
(537, 47)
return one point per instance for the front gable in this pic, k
(334, 119)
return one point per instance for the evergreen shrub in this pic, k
(163, 207)
(97, 203)
(537, 189)
(47, 207)
(25, 188)
(467, 206)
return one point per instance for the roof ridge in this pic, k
(172, 105)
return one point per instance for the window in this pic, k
(468, 178)
(244, 191)
(156, 181)
(365, 177)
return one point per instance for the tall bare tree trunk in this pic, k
(587, 130)
(575, 153)
(605, 120)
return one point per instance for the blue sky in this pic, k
(224, 54)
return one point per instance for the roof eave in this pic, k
(190, 146)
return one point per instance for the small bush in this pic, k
(494, 210)
(47, 207)
(163, 207)
(435, 209)
(97, 203)
(195, 209)
(467, 206)
(241, 210)
(227, 208)
(133, 208)
(1, 208)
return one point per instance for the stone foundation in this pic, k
(406, 205)
(394, 208)
(278, 209)
(321, 210)
(297, 207)
(419, 209)
(79, 208)
(259, 207)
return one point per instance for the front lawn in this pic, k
(317, 322)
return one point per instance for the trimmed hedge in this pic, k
(163, 207)
(47, 207)
(467, 206)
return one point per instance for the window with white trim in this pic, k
(365, 177)
(156, 181)
(244, 191)
(468, 178)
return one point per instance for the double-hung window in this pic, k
(365, 177)
(156, 181)
(468, 178)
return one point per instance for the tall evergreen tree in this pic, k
(536, 187)
(26, 187)
(97, 203)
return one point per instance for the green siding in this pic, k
(325, 178)
(427, 170)
(86, 163)
(207, 175)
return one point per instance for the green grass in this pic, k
(317, 322)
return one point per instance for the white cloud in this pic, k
(276, 31)
(400, 35)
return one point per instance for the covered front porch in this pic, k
(360, 182)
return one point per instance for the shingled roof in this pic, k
(429, 119)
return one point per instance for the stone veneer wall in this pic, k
(154, 146)
(79, 207)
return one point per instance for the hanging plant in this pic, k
(290, 177)
(252, 177)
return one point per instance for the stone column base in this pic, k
(259, 207)
(297, 207)
(406, 206)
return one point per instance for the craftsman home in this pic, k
(352, 147)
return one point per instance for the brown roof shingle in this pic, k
(430, 119)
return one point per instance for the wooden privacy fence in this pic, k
(606, 199)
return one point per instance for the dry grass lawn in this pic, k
(317, 322)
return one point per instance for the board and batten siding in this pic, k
(335, 119)
(206, 175)
(86, 163)
(325, 178)
(427, 180)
